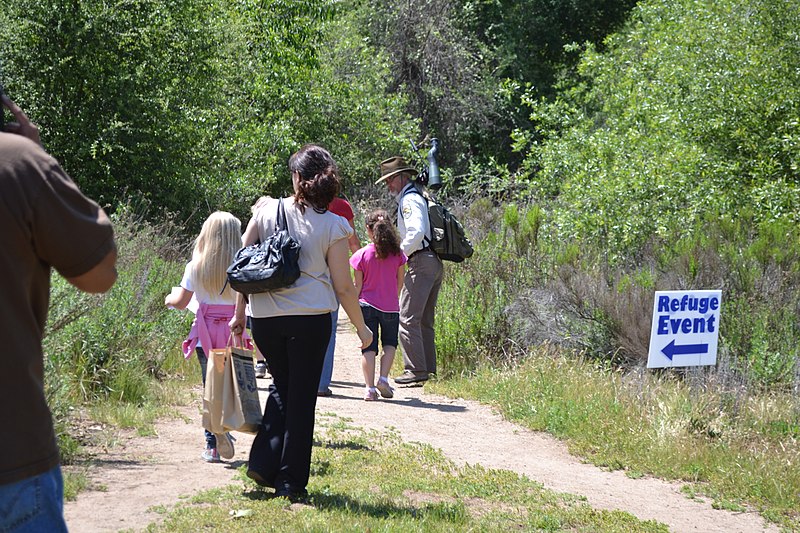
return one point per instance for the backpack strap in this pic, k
(426, 241)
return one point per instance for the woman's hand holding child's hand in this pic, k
(365, 335)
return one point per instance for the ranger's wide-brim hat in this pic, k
(393, 166)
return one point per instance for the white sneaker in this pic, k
(210, 455)
(385, 389)
(225, 445)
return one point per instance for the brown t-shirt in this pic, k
(45, 222)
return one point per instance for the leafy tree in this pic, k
(529, 49)
(117, 90)
(196, 105)
(357, 117)
(267, 59)
(691, 113)
(531, 37)
(295, 74)
(441, 69)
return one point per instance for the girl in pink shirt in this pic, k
(379, 274)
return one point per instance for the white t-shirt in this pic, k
(312, 293)
(201, 295)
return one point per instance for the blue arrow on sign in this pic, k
(672, 349)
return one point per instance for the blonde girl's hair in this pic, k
(384, 234)
(214, 249)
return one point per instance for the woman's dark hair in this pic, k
(384, 234)
(319, 180)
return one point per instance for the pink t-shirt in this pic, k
(380, 278)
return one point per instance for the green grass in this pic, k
(159, 402)
(367, 481)
(655, 425)
(75, 481)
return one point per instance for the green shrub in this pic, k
(690, 110)
(525, 287)
(755, 266)
(114, 347)
(473, 322)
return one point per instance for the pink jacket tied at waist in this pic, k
(210, 327)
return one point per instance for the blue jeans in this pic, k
(34, 504)
(202, 358)
(327, 365)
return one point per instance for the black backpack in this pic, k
(449, 241)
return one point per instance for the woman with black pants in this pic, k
(292, 326)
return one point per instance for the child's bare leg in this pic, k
(368, 366)
(387, 359)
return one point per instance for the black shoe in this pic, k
(299, 496)
(294, 495)
(410, 377)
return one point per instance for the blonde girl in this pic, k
(203, 291)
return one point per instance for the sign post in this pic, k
(685, 329)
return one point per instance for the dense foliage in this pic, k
(195, 105)
(655, 140)
(670, 162)
(121, 91)
(691, 114)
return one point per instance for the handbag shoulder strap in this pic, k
(280, 223)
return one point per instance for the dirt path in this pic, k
(147, 472)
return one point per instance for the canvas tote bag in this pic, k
(214, 390)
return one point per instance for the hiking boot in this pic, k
(410, 377)
(225, 445)
(261, 369)
(385, 389)
(210, 455)
(371, 395)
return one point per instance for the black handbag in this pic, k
(272, 264)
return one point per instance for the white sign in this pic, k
(685, 329)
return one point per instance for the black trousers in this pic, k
(294, 347)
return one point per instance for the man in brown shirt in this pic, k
(46, 223)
